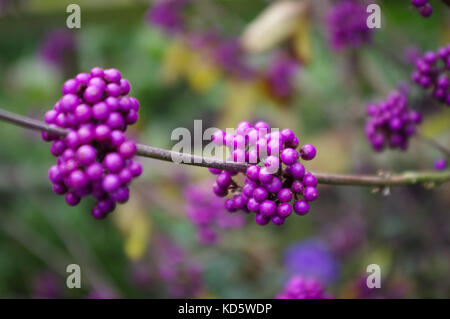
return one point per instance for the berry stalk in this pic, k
(408, 178)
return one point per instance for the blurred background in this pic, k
(223, 61)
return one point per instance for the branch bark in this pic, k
(407, 178)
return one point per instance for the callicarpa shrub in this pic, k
(432, 73)
(276, 183)
(95, 157)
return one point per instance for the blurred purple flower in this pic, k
(395, 289)
(311, 259)
(101, 294)
(229, 54)
(10, 6)
(300, 288)
(347, 25)
(280, 76)
(47, 286)
(58, 46)
(182, 277)
(168, 15)
(411, 54)
(208, 214)
(345, 236)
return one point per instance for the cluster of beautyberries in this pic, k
(300, 288)
(95, 157)
(268, 189)
(425, 9)
(347, 25)
(432, 72)
(391, 123)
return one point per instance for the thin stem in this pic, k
(407, 178)
(441, 148)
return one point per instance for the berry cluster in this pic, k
(95, 157)
(301, 288)
(391, 122)
(425, 9)
(347, 25)
(432, 72)
(208, 214)
(268, 189)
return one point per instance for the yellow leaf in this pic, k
(302, 41)
(176, 61)
(334, 143)
(201, 74)
(436, 124)
(240, 102)
(137, 239)
(136, 227)
(381, 257)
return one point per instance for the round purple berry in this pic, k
(308, 152)
(301, 207)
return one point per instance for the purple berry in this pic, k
(93, 94)
(265, 177)
(297, 170)
(127, 149)
(260, 194)
(113, 162)
(72, 199)
(308, 152)
(110, 183)
(274, 186)
(94, 171)
(309, 180)
(310, 193)
(440, 164)
(135, 169)
(253, 172)
(277, 220)
(289, 156)
(285, 195)
(262, 220)
(224, 179)
(86, 154)
(253, 205)
(267, 208)
(297, 187)
(284, 210)
(102, 133)
(301, 207)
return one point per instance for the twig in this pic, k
(441, 148)
(407, 178)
